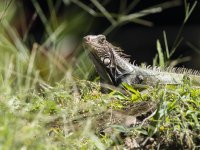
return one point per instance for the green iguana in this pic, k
(114, 68)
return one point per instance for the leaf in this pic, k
(130, 88)
(160, 55)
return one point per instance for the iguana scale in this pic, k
(112, 66)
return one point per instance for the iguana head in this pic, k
(100, 49)
(109, 60)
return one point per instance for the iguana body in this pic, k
(112, 65)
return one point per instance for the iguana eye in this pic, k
(106, 61)
(102, 39)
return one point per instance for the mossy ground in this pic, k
(63, 117)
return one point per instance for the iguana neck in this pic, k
(120, 69)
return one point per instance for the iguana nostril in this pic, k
(87, 39)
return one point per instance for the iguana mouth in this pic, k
(86, 39)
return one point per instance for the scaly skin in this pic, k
(112, 66)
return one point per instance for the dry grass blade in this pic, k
(85, 7)
(3, 14)
(104, 11)
(154, 9)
